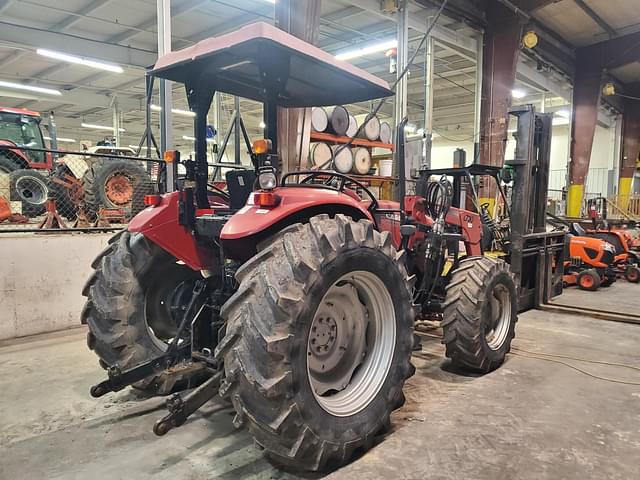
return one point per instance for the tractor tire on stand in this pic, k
(134, 304)
(480, 314)
(589, 280)
(31, 189)
(318, 341)
(114, 183)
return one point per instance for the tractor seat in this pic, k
(239, 185)
(577, 229)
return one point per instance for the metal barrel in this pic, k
(319, 119)
(320, 154)
(338, 121)
(361, 160)
(386, 134)
(371, 129)
(342, 158)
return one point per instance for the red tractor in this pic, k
(21, 165)
(295, 297)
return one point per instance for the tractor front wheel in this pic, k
(318, 341)
(589, 280)
(135, 300)
(632, 274)
(480, 314)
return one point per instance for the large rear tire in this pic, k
(131, 297)
(318, 342)
(115, 183)
(480, 314)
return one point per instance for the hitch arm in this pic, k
(118, 379)
(181, 408)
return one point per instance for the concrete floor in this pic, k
(531, 419)
(621, 297)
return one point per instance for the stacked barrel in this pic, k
(345, 159)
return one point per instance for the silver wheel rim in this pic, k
(32, 190)
(351, 343)
(500, 317)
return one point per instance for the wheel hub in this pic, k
(351, 343)
(32, 190)
(499, 317)
(119, 189)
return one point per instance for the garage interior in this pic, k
(178, 302)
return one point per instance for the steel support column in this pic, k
(630, 151)
(116, 121)
(164, 47)
(586, 100)
(499, 61)
(429, 55)
(400, 99)
(301, 19)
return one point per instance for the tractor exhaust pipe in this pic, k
(400, 162)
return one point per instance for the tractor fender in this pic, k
(253, 224)
(160, 225)
(21, 155)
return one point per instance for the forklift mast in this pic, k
(536, 255)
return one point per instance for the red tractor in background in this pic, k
(295, 297)
(23, 172)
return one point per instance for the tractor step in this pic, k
(181, 408)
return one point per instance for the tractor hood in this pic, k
(261, 57)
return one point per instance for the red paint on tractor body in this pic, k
(253, 219)
(160, 225)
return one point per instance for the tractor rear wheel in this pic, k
(135, 298)
(318, 342)
(480, 314)
(114, 183)
(589, 280)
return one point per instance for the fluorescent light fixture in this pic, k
(262, 124)
(65, 57)
(564, 113)
(193, 139)
(62, 139)
(378, 47)
(29, 88)
(560, 121)
(99, 127)
(512, 130)
(177, 111)
(517, 93)
(410, 128)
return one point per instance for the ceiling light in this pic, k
(262, 124)
(30, 88)
(99, 127)
(560, 121)
(410, 128)
(79, 60)
(563, 113)
(177, 111)
(517, 93)
(62, 139)
(378, 47)
(193, 139)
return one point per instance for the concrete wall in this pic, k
(41, 279)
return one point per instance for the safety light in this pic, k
(152, 200)
(266, 199)
(261, 146)
(608, 89)
(267, 179)
(530, 39)
(171, 156)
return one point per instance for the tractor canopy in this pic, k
(263, 63)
